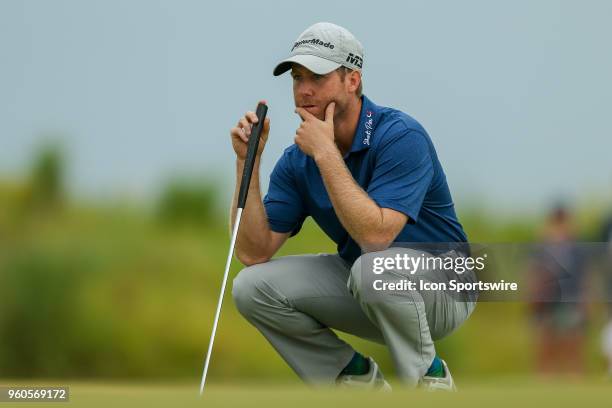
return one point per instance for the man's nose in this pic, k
(305, 89)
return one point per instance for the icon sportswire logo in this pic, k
(313, 41)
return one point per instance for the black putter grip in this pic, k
(262, 109)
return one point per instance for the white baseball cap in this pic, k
(322, 48)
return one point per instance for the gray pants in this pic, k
(294, 302)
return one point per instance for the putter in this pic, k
(262, 109)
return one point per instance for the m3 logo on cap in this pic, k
(354, 59)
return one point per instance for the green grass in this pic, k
(134, 298)
(498, 392)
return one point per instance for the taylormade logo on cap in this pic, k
(313, 41)
(322, 48)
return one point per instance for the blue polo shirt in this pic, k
(393, 159)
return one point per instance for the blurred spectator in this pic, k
(607, 331)
(557, 307)
(606, 343)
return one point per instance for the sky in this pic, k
(514, 95)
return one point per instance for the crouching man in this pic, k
(369, 176)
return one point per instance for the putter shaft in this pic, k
(220, 301)
(245, 182)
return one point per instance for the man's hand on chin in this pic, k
(316, 137)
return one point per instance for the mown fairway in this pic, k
(494, 393)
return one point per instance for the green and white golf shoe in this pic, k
(373, 379)
(445, 383)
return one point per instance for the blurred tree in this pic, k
(46, 182)
(186, 201)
